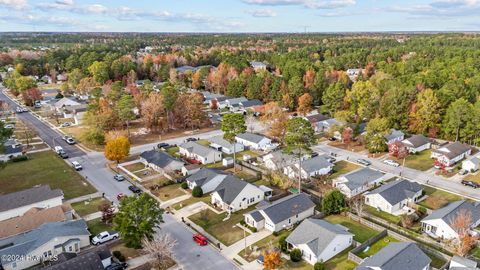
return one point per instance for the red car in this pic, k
(200, 239)
(120, 196)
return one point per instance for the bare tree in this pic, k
(250, 122)
(358, 205)
(159, 250)
(461, 223)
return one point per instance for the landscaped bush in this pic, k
(275, 233)
(318, 266)
(184, 185)
(422, 210)
(282, 243)
(117, 254)
(19, 158)
(197, 192)
(242, 222)
(168, 183)
(296, 255)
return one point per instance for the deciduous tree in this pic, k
(117, 149)
(154, 113)
(232, 125)
(272, 259)
(425, 114)
(159, 250)
(304, 104)
(333, 202)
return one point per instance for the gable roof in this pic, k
(397, 191)
(230, 188)
(251, 137)
(416, 141)
(449, 212)
(92, 260)
(361, 177)
(159, 158)
(198, 149)
(27, 197)
(473, 160)
(315, 164)
(203, 176)
(219, 140)
(397, 256)
(394, 133)
(65, 102)
(452, 150)
(12, 149)
(314, 118)
(317, 234)
(287, 207)
(235, 101)
(251, 103)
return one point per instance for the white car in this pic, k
(58, 149)
(391, 162)
(104, 237)
(77, 166)
(9, 126)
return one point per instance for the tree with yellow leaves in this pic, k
(117, 149)
(304, 104)
(271, 258)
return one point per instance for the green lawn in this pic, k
(96, 226)
(214, 165)
(190, 201)
(88, 207)
(239, 156)
(301, 265)
(343, 167)
(169, 192)
(204, 142)
(340, 262)
(172, 151)
(420, 161)
(361, 232)
(262, 245)
(377, 246)
(438, 198)
(383, 215)
(436, 262)
(224, 231)
(475, 252)
(44, 168)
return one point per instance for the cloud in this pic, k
(262, 13)
(65, 2)
(52, 21)
(70, 6)
(15, 4)
(313, 4)
(442, 9)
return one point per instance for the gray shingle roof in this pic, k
(453, 150)
(256, 215)
(394, 134)
(160, 158)
(203, 176)
(235, 101)
(230, 188)
(221, 141)
(92, 260)
(11, 149)
(287, 207)
(397, 256)
(397, 191)
(464, 261)
(25, 243)
(27, 197)
(198, 149)
(416, 141)
(316, 118)
(251, 103)
(449, 212)
(317, 234)
(251, 137)
(315, 164)
(361, 177)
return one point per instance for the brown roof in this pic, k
(316, 118)
(32, 219)
(453, 150)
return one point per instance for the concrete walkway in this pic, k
(232, 251)
(173, 201)
(92, 216)
(85, 197)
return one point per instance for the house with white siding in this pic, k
(358, 181)
(207, 179)
(233, 194)
(471, 165)
(417, 143)
(220, 144)
(316, 166)
(451, 153)
(200, 153)
(394, 135)
(255, 141)
(160, 161)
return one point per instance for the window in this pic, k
(70, 248)
(289, 221)
(45, 254)
(296, 215)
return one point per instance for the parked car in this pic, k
(120, 196)
(462, 172)
(260, 259)
(163, 145)
(391, 162)
(470, 184)
(77, 166)
(24, 110)
(117, 266)
(332, 139)
(19, 110)
(135, 189)
(9, 126)
(58, 149)
(364, 162)
(104, 237)
(331, 159)
(314, 154)
(70, 141)
(66, 124)
(200, 239)
(119, 177)
(63, 154)
(191, 139)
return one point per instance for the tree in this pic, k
(108, 212)
(214, 105)
(377, 128)
(426, 113)
(232, 125)
(159, 250)
(31, 95)
(188, 111)
(272, 259)
(24, 83)
(457, 118)
(347, 135)
(461, 223)
(333, 97)
(357, 205)
(170, 95)
(197, 192)
(407, 221)
(99, 71)
(153, 112)
(117, 149)
(138, 217)
(275, 119)
(125, 108)
(397, 150)
(296, 255)
(319, 266)
(333, 202)
(304, 104)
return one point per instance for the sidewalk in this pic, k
(173, 201)
(85, 197)
(232, 251)
(92, 216)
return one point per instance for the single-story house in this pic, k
(220, 144)
(44, 243)
(200, 153)
(254, 141)
(358, 181)
(316, 166)
(439, 223)
(221, 102)
(258, 66)
(234, 194)
(190, 169)
(18, 203)
(11, 151)
(63, 103)
(462, 263)
(98, 258)
(472, 164)
(161, 161)
(282, 213)
(250, 104)
(278, 160)
(326, 125)
(49, 95)
(208, 96)
(207, 179)
(417, 143)
(232, 102)
(76, 112)
(394, 197)
(319, 240)
(401, 255)
(451, 153)
(316, 121)
(394, 135)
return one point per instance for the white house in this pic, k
(161, 161)
(319, 240)
(316, 166)
(190, 169)
(207, 179)
(471, 164)
(258, 66)
(44, 243)
(401, 255)
(358, 181)
(394, 135)
(234, 194)
(394, 197)
(316, 121)
(438, 223)
(281, 214)
(220, 144)
(417, 143)
(65, 102)
(255, 141)
(278, 160)
(201, 153)
(451, 153)
(234, 102)
(461, 263)
(18, 203)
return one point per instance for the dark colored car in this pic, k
(364, 162)
(135, 189)
(314, 154)
(119, 177)
(260, 259)
(117, 266)
(200, 239)
(332, 139)
(191, 139)
(163, 145)
(470, 184)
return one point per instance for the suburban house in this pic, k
(209, 96)
(439, 223)
(207, 179)
(18, 203)
(353, 73)
(394, 197)
(48, 95)
(200, 153)
(316, 166)
(190, 169)
(319, 240)
(34, 218)
(358, 181)
(161, 161)
(451, 153)
(98, 258)
(220, 144)
(316, 121)
(278, 160)
(234, 102)
(258, 66)
(417, 143)
(254, 141)
(10, 151)
(76, 112)
(221, 102)
(44, 243)
(471, 164)
(394, 135)
(64, 103)
(234, 194)
(282, 213)
(250, 104)
(462, 263)
(326, 125)
(401, 255)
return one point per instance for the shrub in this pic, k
(422, 210)
(253, 229)
(296, 255)
(333, 202)
(275, 233)
(19, 158)
(318, 266)
(242, 222)
(282, 243)
(197, 192)
(184, 185)
(117, 254)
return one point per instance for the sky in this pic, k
(239, 15)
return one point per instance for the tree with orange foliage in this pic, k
(309, 79)
(397, 149)
(275, 118)
(31, 95)
(271, 258)
(347, 135)
(370, 69)
(154, 114)
(461, 223)
(117, 149)
(304, 104)
(196, 80)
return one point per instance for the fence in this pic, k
(352, 254)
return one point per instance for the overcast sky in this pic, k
(239, 15)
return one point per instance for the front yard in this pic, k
(473, 177)
(420, 161)
(437, 198)
(190, 201)
(169, 192)
(361, 232)
(262, 245)
(87, 207)
(343, 167)
(96, 226)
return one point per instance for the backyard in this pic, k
(376, 247)
(383, 215)
(340, 262)
(169, 192)
(361, 232)
(44, 168)
(89, 206)
(420, 161)
(437, 198)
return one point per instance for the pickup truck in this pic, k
(104, 237)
